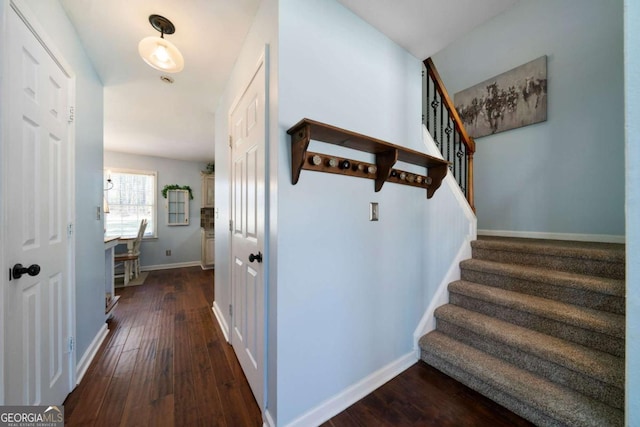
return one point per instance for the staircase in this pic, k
(538, 326)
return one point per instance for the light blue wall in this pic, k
(565, 175)
(183, 241)
(88, 173)
(349, 291)
(632, 115)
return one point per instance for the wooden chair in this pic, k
(131, 258)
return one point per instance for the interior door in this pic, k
(37, 318)
(248, 136)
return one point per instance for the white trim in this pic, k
(341, 401)
(71, 221)
(29, 19)
(4, 9)
(602, 238)
(441, 296)
(170, 266)
(90, 353)
(221, 322)
(268, 420)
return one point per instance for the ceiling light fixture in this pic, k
(158, 52)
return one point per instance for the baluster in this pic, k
(460, 156)
(442, 124)
(434, 105)
(425, 103)
(466, 173)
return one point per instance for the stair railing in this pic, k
(440, 117)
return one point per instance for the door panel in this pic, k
(38, 369)
(252, 194)
(247, 123)
(31, 350)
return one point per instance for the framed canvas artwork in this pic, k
(510, 100)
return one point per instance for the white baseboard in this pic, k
(341, 401)
(221, 321)
(207, 267)
(90, 353)
(169, 266)
(268, 420)
(602, 238)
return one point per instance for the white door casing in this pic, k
(248, 127)
(37, 209)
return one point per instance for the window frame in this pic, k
(154, 212)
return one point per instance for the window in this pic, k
(132, 199)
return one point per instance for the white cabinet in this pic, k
(208, 190)
(177, 207)
(208, 249)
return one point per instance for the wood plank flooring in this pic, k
(425, 397)
(165, 363)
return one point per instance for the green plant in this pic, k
(176, 187)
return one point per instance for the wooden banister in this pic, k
(469, 142)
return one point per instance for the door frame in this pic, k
(29, 19)
(263, 61)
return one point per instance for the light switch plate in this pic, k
(373, 211)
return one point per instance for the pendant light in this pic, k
(158, 52)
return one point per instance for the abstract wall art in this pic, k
(510, 100)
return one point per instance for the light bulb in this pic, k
(161, 54)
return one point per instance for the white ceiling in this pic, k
(423, 27)
(143, 115)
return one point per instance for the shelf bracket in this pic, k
(437, 174)
(299, 144)
(384, 163)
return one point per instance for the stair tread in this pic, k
(612, 252)
(593, 363)
(560, 403)
(604, 285)
(582, 317)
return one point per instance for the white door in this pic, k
(248, 137)
(37, 318)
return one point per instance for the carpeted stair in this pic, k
(538, 326)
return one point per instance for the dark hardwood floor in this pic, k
(165, 363)
(423, 396)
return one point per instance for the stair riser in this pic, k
(514, 405)
(551, 327)
(553, 262)
(594, 300)
(571, 378)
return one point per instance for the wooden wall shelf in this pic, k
(386, 154)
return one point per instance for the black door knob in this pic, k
(19, 270)
(257, 257)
